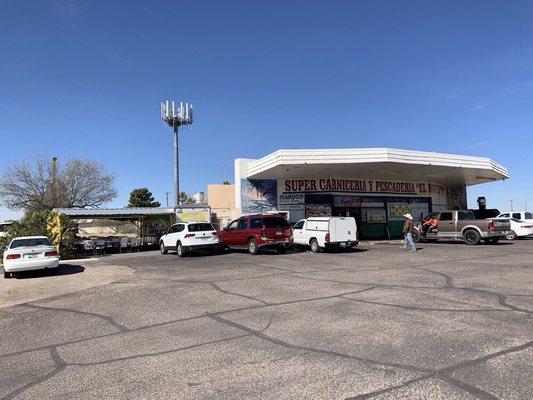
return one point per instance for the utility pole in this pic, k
(511, 202)
(54, 175)
(175, 120)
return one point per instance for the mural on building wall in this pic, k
(258, 195)
(317, 210)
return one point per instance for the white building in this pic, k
(375, 185)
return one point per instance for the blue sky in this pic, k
(85, 78)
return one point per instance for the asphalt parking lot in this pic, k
(449, 322)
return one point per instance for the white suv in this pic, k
(184, 237)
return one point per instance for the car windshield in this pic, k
(275, 222)
(200, 227)
(30, 242)
(528, 215)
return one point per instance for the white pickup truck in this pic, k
(326, 232)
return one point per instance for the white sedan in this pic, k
(30, 253)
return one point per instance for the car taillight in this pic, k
(12, 256)
(51, 254)
(327, 237)
(490, 226)
(189, 235)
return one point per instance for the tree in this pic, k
(185, 198)
(58, 228)
(44, 185)
(142, 197)
(226, 183)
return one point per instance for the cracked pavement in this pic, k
(450, 322)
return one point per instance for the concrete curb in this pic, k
(78, 260)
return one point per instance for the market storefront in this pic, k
(375, 191)
(377, 206)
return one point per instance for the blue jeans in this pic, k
(408, 241)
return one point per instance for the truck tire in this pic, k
(511, 235)
(417, 237)
(471, 237)
(253, 248)
(7, 275)
(315, 248)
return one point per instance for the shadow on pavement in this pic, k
(64, 269)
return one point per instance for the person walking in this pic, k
(408, 230)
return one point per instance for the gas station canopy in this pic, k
(378, 163)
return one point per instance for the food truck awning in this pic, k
(378, 163)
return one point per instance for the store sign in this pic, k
(353, 185)
(292, 198)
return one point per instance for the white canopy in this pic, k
(378, 163)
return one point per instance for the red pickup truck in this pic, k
(253, 232)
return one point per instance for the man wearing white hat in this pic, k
(408, 230)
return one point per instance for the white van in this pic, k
(326, 232)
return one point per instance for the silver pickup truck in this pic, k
(461, 225)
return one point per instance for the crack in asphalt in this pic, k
(106, 318)
(59, 365)
(415, 308)
(502, 298)
(292, 346)
(443, 374)
(474, 390)
(237, 294)
(449, 280)
(159, 353)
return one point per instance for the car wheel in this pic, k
(471, 237)
(315, 248)
(180, 250)
(253, 249)
(162, 248)
(511, 235)
(417, 238)
(7, 275)
(282, 248)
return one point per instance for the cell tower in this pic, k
(176, 117)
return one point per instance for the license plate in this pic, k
(31, 255)
(279, 233)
